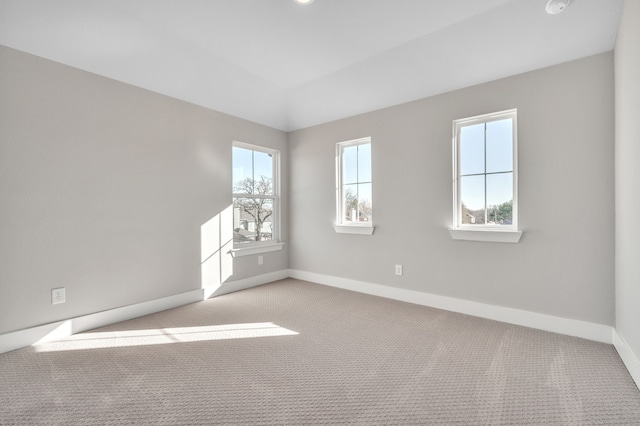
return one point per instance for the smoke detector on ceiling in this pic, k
(556, 6)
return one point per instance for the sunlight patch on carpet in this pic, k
(163, 336)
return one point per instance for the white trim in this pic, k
(586, 330)
(354, 229)
(340, 146)
(276, 197)
(457, 201)
(60, 329)
(245, 283)
(629, 359)
(252, 147)
(255, 248)
(487, 235)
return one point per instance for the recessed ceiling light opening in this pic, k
(556, 6)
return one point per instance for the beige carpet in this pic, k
(297, 353)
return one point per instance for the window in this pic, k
(354, 213)
(255, 196)
(485, 177)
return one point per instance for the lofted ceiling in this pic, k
(289, 66)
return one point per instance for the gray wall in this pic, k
(564, 264)
(104, 188)
(627, 78)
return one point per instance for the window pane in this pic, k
(263, 172)
(472, 149)
(350, 164)
(350, 203)
(265, 220)
(364, 162)
(364, 202)
(242, 170)
(263, 186)
(252, 220)
(499, 146)
(241, 219)
(500, 198)
(472, 196)
(354, 201)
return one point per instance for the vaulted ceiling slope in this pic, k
(288, 66)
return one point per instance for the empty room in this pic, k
(270, 212)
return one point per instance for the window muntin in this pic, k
(255, 194)
(354, 183)
(485, 171)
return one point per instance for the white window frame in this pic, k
(257, 247)
(341, 226)
(484, 232)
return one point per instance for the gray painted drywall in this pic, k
(627, 149)
(104, 188)
(564, 264)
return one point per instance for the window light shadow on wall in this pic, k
(163, 336)
(216, 242)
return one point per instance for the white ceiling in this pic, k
(290, 66)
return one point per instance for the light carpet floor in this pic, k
(296, 353)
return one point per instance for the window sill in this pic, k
(486, 235)
(256, 249)
(354, 229)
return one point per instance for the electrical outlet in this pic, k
(57, 296)
(398, 269)
(260, 260)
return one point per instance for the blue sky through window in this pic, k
(486, 164)
(251, 164)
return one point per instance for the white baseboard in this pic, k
(586, 330)
(570, 327)
(60, 329)
(628, 357)
(246, 283)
